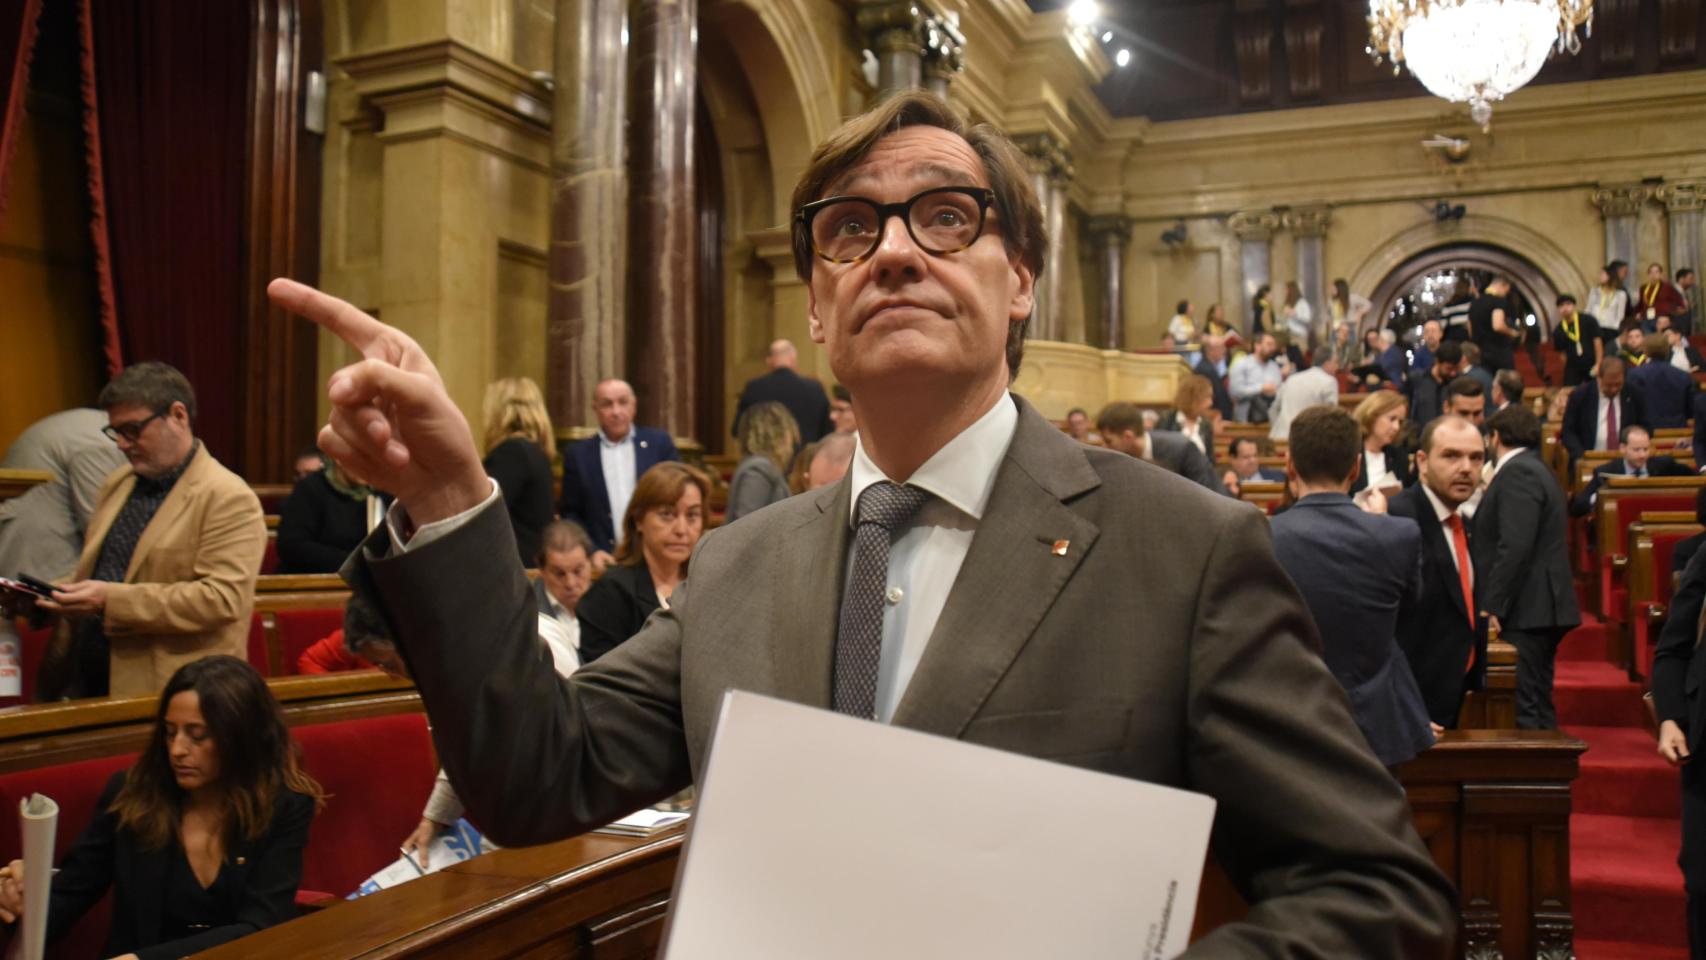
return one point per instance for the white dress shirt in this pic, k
(925, 559)
(1443, 513)
(561, 631)
(1192, 429)
(617, 459)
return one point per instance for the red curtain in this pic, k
(165, 99)
(17, 40)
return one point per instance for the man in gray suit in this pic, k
(1122, 429)
(1010, 587)
(41, 532)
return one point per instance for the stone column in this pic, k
(663, 225)
(584, 306)
(944, 53)
(895, 32)
(1620, 205)
(1255, 230)
(1110, 233)
(1051, 170)
(1684, 202)
(1308, 226)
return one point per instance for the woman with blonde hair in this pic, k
(665, 519)
(768, 438)
(518, 446)
(1190, 414)
(1385, 459)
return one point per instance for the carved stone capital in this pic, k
(1254, 224)
(1047, 155)
(1621, 199)
(944, 46)
(1108, 226)
(892, 27)
(1308, 221)
(1684, 196)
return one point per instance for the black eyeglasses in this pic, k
(940, 221)
(129, 432)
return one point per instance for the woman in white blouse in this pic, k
(1298, 316)
(1608, 302)
(1385, 461)
(1190, 414)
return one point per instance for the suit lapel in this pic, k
(810, 583)
(1440, 545)
(1011, 576)
(173, 507)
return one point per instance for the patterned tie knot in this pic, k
(890, 505)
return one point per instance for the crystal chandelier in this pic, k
(1474, 51)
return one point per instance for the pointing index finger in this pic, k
(350, 325)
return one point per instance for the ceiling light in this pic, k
(1123, 57)
(1107, 35)
(1083, 13)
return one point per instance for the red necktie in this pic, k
(1611, 425)
(1465, 576)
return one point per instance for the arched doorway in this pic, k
(1416, 290)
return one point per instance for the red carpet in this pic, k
(1625, 828)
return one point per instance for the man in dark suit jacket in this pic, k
(1678, 670)
(1244, 459)
(1637, 461)
(1121, 427)
(1214, 365)
(1519, 546)
(621, 452)
(1443, 635)
(1357, 571)
(1587, 418)
(803, 396)
(1666, 391)
(1086, 618)
(1425, 386)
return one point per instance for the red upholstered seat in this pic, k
(377, 773)
(257, 652)
(1644, 629)
(300, 629)
(1630, 506)
(75, 787)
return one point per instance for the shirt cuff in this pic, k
(396, 521)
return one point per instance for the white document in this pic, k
(818, 835)
(38, 819)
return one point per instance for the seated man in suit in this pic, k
(1215, 366)
(1048, 598)
(1122, 428)
(1243, 458)
(1637, 461)
(803, 396)
(174, 546)
(1683, 355)
(1519, 548)
(1357, 571)
(599, 472)
(1666, 392)
(1596, 413)
(1443, 635)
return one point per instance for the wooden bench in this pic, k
(1650, 585)
(1621, 500)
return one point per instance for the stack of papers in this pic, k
(644, 823)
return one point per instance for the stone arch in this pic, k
(1475, 229)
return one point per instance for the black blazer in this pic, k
(586, 500)
(1676, 669)
(1666, 393)
(803, 396)
(1581, 417)
(1397, 462)
(318, 527)
(1205, 428)
(523, 472)
(1582, 503)
(1519, 547)
(1357, 571)
(1222, 396)
(615, 608)
(264, 875)
(1435, 635)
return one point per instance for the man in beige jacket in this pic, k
(168, 569)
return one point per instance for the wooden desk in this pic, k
(14, 483)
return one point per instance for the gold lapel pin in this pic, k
(1060, 547)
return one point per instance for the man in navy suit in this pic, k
(1637, 461)
(599, 473)
(1246, 467)
(1356, 571)
(803, 396)
(1444, 638)
(1596, 414)
(1666, 391)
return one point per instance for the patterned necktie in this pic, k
(884, 507)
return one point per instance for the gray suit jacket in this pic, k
(1165, 645)
(41, 532)
(1174, 452)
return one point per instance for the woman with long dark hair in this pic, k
(201, 841)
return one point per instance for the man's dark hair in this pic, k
(1018, 212)
(1448, 352)
(1629, 429)
(1610, 359)
(1232, 451)
(1615, 266)
(841, 393)
(1515, 426)
(1564, 298)
(1078, 410)
(1683, 274)
(1118, 417)
(1510, 384)
(1464, 386)
(1324, 445)
(1182, 307)
(1426, 443)
(563, 536)
(1628, 325)
(1471, 352)
(149, 384)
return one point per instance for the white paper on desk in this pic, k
(818, 835)
(38, 819)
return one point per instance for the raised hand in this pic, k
(392, 421)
